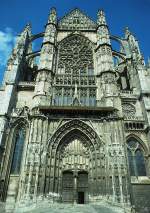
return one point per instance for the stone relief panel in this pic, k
(75, 154)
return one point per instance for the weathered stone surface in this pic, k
(74, 128)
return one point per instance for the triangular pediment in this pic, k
(76, 20)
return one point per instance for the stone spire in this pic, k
(46, 64)
(127, 32)
(101, 18)
(52, 16)
(133, 44)
(102, 32)
(17, 55)
(21, 42)
(104, 53)
(47, 51)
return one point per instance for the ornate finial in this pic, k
(28, 25)
(52, 16)
(102, 30)
(101, 18)
(27, 28)
(127, 32)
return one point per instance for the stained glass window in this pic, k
(136, 158)
(76, 56)
(18, 150)
(75, 68)
(131, 163)
(139, 158)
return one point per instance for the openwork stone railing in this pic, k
(126, 92)
(133, 118)
(26, 83)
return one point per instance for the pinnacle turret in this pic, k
(45, 72)
(27, 27)
(127, 32)
(106, 88)
(133, 43)
(52, 16)
(101, 20)
(102, 31)
(21, 43)
(25, 31)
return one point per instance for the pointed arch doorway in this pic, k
(75, 164)
(72, 163)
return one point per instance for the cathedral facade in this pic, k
(75, 116)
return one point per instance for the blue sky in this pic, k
(14, 14)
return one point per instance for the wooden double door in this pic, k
(75, 187)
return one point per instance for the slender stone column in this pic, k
(38, 156)
(22, 184)
(75, 175)
(44, 164)
(31, 156)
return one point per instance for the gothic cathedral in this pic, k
(75, 116)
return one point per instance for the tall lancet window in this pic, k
(136, 158)
(18, 150)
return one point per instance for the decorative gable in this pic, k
(76, 20)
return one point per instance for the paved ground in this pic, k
(42, 207)
(61, 208)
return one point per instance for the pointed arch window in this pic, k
(18, 150)
(136, 158)
(75, 66)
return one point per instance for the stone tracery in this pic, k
(75, 79)
(128, 110)
(75, 67)
(75, 56)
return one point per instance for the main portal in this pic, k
(75, 187)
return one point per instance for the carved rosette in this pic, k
(128, 110)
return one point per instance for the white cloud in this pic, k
(7, 41)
